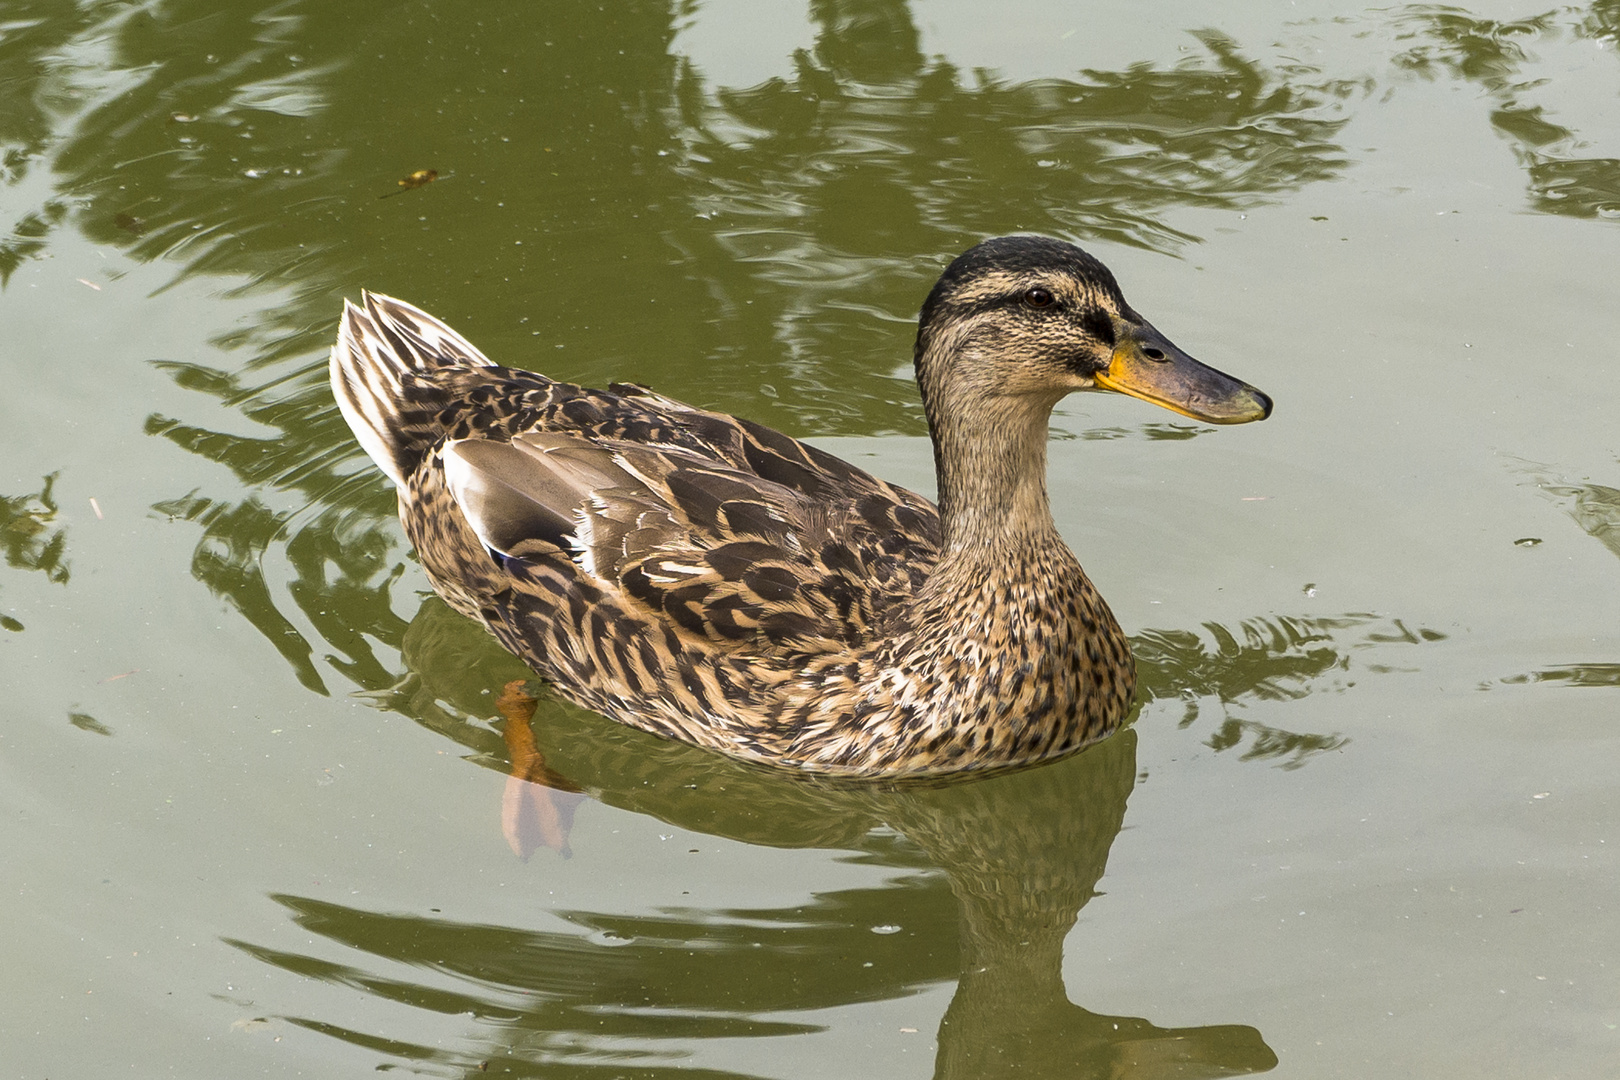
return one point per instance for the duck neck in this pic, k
(990, 462)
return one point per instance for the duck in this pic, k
(710, 580)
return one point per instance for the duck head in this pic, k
(1035, 318)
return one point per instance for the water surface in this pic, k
(256, 807)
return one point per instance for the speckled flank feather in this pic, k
(711, 580)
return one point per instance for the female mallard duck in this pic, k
(708, 579)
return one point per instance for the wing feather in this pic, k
(745, 539)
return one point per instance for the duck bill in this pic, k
(1146, 365)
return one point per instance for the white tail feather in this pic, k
(378, 346)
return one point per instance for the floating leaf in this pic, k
(419, 178)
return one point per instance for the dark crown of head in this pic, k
(1020, 255)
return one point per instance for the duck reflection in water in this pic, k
(1022, 854)
(983, 879)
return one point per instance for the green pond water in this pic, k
(255, 818)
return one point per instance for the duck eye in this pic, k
(1038, 297)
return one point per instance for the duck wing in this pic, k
(707, 539)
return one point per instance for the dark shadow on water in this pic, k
(1275, 658)
(1499, 57)
(1607, 675)
(31, 540)
(1595, 508)
(1150, 432)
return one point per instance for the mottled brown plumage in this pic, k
(712, 580)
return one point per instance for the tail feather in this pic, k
(382, 349)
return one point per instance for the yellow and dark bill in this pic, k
(1147, 365)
